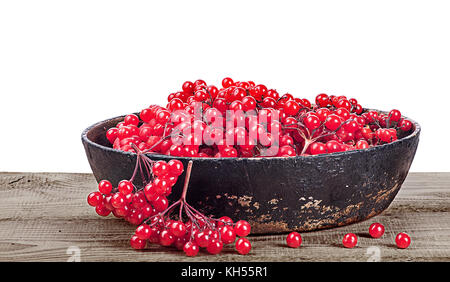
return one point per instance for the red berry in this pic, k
(135, 217)
(101, 210)
(138, 200)
(166, 238)
(402, 240)
(243, 246)
(175, 167)
(191, 249)
(312, 121)
(294, 240)
(105, 187)
(323, 100)
(122, 212)
(362, 144)
(160, 203)
(242, 228)
(188, 87)
(118, 200)
(143, 232)
(358, 109)
(334, 146)
(350, 240)
(160, 168)
(227, 82)
(405, 125)
(131, 120)
(111, 134)
(202, 239)
(395, 115)
(161, 185)
(291, 107)
(150, 192)
(107, 202)
(214, 247)
(162, 117)
(224, 220)
(125, 187)
(180, 242)
(146, 115)
(332, 122)
(376, 230)
(317, 148)
(248, 103)
(137, 243)
(178, 229)
(228, 235)
(94, 199)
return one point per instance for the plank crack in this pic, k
(17, 180)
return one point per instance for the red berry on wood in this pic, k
(243, 246)
(402, 240)
(191, 249)
(166, 238)
(294, 240)
(376, 230)
(214, 247)
(137, 243)
(350, 240)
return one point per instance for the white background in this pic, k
(67, 64)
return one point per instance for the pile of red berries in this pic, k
(135, 205)
(190, 236)
(242, 119)
(376, 230)
(148, 207)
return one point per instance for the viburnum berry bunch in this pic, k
(134, 204)
(158, 223)
(244, 119)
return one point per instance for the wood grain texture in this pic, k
(43, 214)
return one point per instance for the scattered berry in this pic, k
(402, 240)
(294, 240)
(243, 246)
(350, 240)
(376, 230)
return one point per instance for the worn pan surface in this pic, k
(278, 194)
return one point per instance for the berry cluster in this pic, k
(376, 230)
(149, 208)
(198, 232)
(242, 119)
(133, 204)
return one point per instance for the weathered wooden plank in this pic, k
(43, 214)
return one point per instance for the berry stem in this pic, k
(186, 181)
